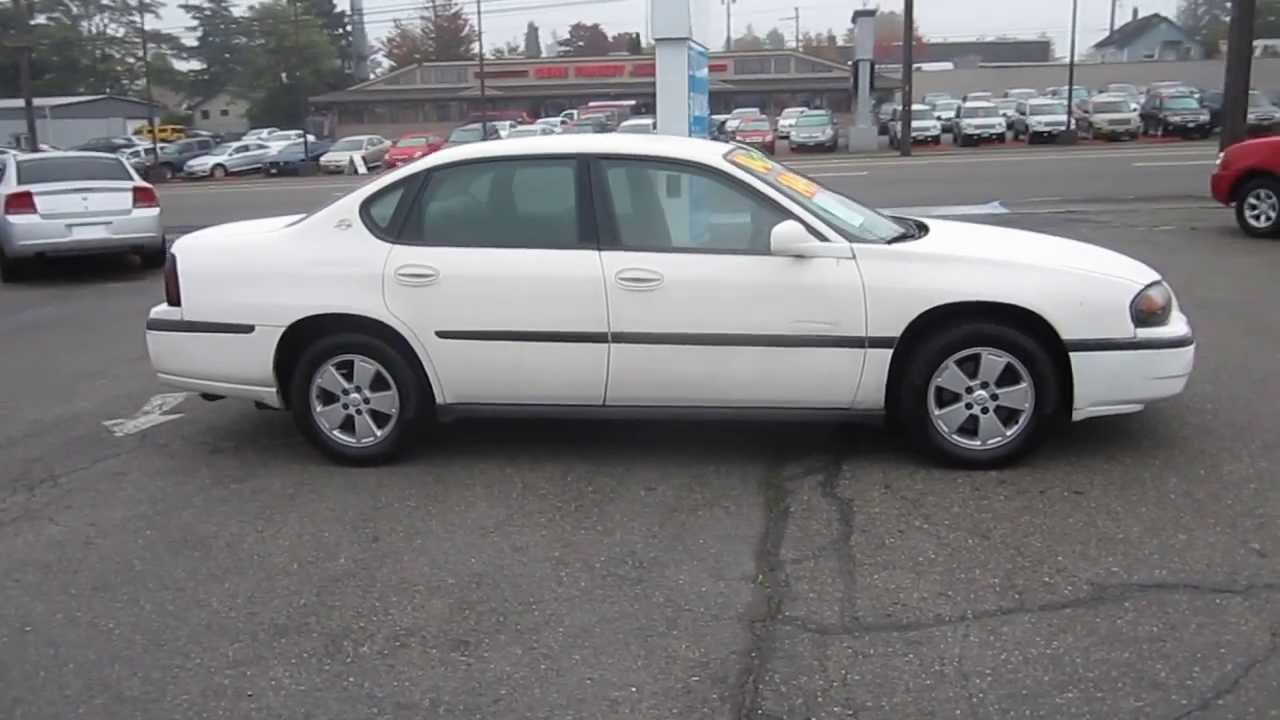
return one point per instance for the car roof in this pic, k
(1043, 101)
(24, 157)
(920, 106)
(651, 146)
(1109, 97)
(356, 137)
(979, 104)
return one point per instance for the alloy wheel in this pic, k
(1261, 208)
(354, 400)
(981, 398)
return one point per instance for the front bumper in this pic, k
(230, 364)
(1222, 184)
(1115, 130)
(812, 142)
(1180, 126)
(1111, 381)
(29, 236)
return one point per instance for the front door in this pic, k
(701, 314)
(500, 281)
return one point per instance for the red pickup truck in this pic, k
(1248, 177)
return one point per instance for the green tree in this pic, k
(1206, 21)
(586, 40)
(405, 46)
(449, 33)
(289, 58)
(509, 49)
(219, 47)
(748, 40)
(775, 40)
(532, 41)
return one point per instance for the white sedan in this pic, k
(622, 276)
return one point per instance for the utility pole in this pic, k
(908, 78)
(23, 46)
(1235, 96)
(794, 17)
(1069, 137)
(146, 81)
(484, 104)
(728, 23)
(297, 82)
(1112, 26)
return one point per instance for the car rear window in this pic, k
(33, 171)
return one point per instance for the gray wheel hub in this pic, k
(1261, 208)
(354, 400)
(981, 398)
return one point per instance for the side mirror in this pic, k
(790, 238)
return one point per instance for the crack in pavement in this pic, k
(1102, 594)
(26, 490)
(1233, 681)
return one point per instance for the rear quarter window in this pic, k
(33, 171)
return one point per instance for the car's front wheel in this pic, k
(1258, 207)
(355, 398)
(218, 172)
(979, 394)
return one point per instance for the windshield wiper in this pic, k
(910, 231)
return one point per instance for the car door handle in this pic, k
(638, 279)
(416, 275)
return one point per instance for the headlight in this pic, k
(1152, 306)
(1218, 162)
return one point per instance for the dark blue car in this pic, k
(291, 159)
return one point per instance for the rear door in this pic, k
(496, 269)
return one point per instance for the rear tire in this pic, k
(982, 360)
(154, 259)
(372, 424)
(1258, 208)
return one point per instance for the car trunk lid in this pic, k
(67, 200)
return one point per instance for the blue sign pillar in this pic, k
(683, 76)
(699, 91)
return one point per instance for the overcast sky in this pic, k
(938, 19)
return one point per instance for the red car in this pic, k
(1248, 176)
(756, 132)
(411, 147)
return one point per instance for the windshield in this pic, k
(1258, 100)
(465, 134)
(1048, 109)
(33, 171)
(854, 222)
(792, 112)
(1111, 106)
(813, 120)
(412, 142)
(348, 145)
(981, 112)
(925, 114)
(1181, 103)
(946, 106)
(755, 124)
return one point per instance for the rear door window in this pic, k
(33, 171)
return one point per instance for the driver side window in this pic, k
(667, 207)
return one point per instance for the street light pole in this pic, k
(23, 47)
(146, 81)
(1235, 96)
(908, 76)
(484, 103)
(1068, 136)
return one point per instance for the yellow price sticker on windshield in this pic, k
(801, 185)
(752, 161)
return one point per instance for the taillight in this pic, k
(20, 203)
(144, 196)
(172, 291)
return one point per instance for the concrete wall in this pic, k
(1201, 73)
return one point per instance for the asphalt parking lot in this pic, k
(214, 566)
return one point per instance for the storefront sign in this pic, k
(596, 71)
(643, 70)
(552, 72)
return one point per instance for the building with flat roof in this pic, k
(67, 120)
(447, 93)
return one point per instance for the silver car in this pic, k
(229, 159)
(75, 203)
(373, 148)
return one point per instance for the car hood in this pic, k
(1022, 247)
(1047, 118)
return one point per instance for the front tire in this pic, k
(218, 172)
(979, 394)
(355, 398)
(1258, 208)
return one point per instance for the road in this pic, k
(1016, 175)
(213, 566)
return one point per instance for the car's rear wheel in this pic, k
(154, 259)
(1258, 207)
(355, 398)
(979, 394)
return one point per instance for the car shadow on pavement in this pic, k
(83, 270)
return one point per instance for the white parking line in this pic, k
(1172, 164)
